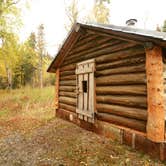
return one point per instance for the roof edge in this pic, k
(134, 34)
(75, 29)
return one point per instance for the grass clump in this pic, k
(20, 106)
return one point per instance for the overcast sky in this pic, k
(51, 13)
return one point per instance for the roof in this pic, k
(131, 33)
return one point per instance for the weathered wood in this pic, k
(67, 107)
(126, 61)
(98, 53)
(122, 121)
(85, 40)
(67, 88)
(86, 95)
(85, 85)
(68, 67)
(94, 48)
(83, 36)
(69, 77)
(155, 92)
(122, 79)
(106, 34)
(97, 42)
(120, 55)
(136, 113)
(68, 100)
(122, 90)
(92, 97)
(67, 94)
(66, 47)
(67, 73)
(121, 70)
(57, 89)
(126, 100)
(80, 96)
(68, 82)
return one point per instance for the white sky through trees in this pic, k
(51, 13)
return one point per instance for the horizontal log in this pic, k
(131, 51)
(68, 82)
(68, 67)
(130, 112)
(130, 60)
(98, 41)
(122, 90)
(70, 77)
(122, 79)
(85, 40)
(102, 52)
(66, 73)
(67, 107)
(106, 34)
(67, 94)
(83, 36)
(121, 70)
(126, 122)
(131, 101)
(68, 100)
(93, 48)
(67, 88)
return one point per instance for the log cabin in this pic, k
(112, 77)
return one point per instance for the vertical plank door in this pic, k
(85, 90)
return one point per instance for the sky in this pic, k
(51, 13)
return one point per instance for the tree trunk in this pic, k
(41, 71)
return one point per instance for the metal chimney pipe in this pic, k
(131, 22)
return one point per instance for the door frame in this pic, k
(86, 69)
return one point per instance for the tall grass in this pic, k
(27, 101)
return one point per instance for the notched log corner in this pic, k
(148, 45)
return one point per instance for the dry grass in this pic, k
(26, 109)
(31, 135)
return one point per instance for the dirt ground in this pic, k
(30, 135)
(60, 143)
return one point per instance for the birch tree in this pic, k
(72, 13)
(41, 49)
(100, 12)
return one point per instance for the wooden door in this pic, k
(85, 90)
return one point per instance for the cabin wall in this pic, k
(121, 93)
(164, 78)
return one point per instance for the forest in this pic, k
(25, 63)
(21, 63)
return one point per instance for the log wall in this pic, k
(121, 92)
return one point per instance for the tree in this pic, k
(164, 27)
(158, 28)
(9, 22)
(32, 41)
(72, 13)
(41, 49)
(9, 56)
(100, 12)
(10, 18)
(25, 68)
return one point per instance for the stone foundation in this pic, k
(135, 139)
